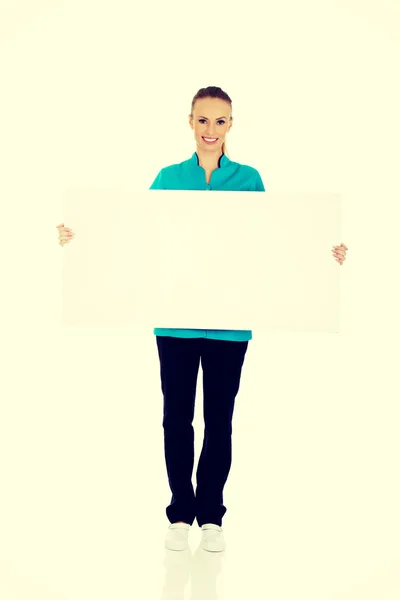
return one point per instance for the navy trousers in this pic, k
(222, 363)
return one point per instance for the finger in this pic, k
(58, 226)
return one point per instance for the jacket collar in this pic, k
(223, 160)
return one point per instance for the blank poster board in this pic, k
(201, 260)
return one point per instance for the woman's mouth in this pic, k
(210, 140)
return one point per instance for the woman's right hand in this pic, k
(65, 234)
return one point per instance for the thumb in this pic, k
(62, 225)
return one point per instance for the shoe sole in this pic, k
(176, 547)
(214, 549)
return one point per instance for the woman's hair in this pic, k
(212, 92)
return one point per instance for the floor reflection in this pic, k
(201, 569)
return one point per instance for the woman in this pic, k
(221, 352)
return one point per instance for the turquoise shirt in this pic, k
(229, 176)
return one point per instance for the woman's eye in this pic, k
(220, 122)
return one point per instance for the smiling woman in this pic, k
(221, 352)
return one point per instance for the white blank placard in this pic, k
(200, 260)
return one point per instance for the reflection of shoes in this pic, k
(177, 574)
(212, 538)
(177, 536)
(204, 562)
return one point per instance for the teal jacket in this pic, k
(229, 176)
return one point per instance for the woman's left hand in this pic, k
(339, 253)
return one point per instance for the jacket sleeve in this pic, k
(157, 183)
(258, 183)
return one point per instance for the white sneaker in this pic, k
(177, 536)
(212, 538)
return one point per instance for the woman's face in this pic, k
(211, 120)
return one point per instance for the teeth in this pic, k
(210, 139)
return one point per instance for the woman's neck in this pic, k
(209, 163)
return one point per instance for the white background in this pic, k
(97, 95)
